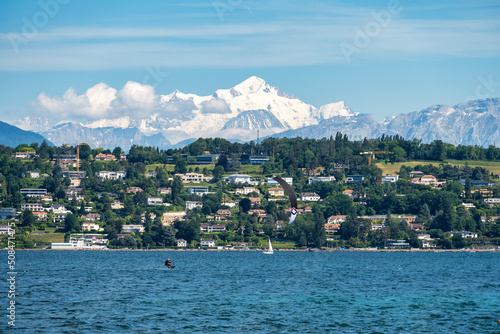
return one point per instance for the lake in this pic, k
(249, 292)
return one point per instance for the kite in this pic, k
(291, 195)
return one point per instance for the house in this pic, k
(206, 158)
(169, 218)
(66, 163)
(190, 205)
(417, 227)
(336, 219)
(312, 197)
(349, 193)
(224, 212)
(154, 201)
(332, 228)
(164, 191)
(134, 190)
(33, 192)
(424, 236)
(415, 173)
(389, 178)
(396, 244)
(469, 205)
(276, 192)
(46, 198)
(229, 203)
(59, 208)
(32, 207)
(377, 226)
(492, 201)
(279, 224)
(91, 217)
(428, 180)
(105, 157)
(194, 178)
(246, 191)
(260, 213)
(207, 243)
(258, 160)
(7, 213)
(272, 182)
(74, 174)
(255, 201)
(314, 179)
(116, 205)
(181, 243)
(23, 155)
(238, 178)
(151, 173)
(34, 175)
(90, 226)
(132, 228)
(59, 217)
(197, 190)
(207, 228)
(107, 175)
(354, 179)
(464, 234)
(123, 157)
(40, 215)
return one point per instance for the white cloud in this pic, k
(94, 104)
(100, 101)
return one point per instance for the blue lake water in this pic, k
(249, 292)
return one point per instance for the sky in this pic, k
(81, 58)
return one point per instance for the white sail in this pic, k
(270, 250)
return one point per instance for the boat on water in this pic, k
(270, 249)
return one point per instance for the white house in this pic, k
(207, 243)
(107, 175)
(155, 200)
(197, 190)
(314, 179)
(238, 178)
(464, 234)
(90, 226)
(34, 175)
(32, 207)
(190, 205)
(272, 182)
(181, 243)
(132, 228)
(336, 219)
(309, 197)
(390, 178)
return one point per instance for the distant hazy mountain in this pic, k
(471, 123)
(13, 136)
(237, 113)
(106, 137)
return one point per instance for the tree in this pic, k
(245, 205)
(180, 166)
(28, 219)
(71, 223)
(217, 173)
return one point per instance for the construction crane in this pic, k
(372, 153)
(78, 150)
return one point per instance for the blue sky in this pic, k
(380, 57)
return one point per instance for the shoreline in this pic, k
(367, 250)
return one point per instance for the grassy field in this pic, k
(389, 168)
(47, 238)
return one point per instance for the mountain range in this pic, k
(239, 112)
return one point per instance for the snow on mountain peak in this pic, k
(334, 109)
(250, 85)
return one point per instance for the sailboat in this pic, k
(270, 250)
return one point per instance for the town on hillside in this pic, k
(386, 193)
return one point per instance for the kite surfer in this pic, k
(169, 264)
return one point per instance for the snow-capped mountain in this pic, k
(238, 112)
(470, 123)
(235, 113)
